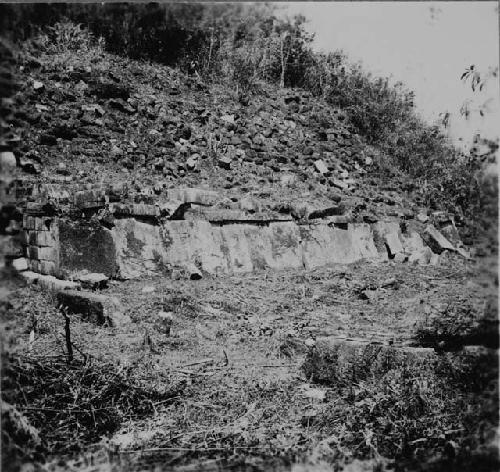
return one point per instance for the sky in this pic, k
(426, 45)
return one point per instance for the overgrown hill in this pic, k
(238, 101)
(92, 118)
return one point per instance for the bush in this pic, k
(67, 36)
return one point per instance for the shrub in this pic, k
(67, 36)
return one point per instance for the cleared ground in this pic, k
(232, 364)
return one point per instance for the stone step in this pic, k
(342, 362)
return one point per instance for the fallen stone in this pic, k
(313, 393)
(400, 257)
(369, 294)
(287, 180)
(343, 185)
(30, 277)
(341, 362)
(463, 252)
(37, 85)
(49, 282)
(7, 161)
(93, 281)
(227, 119)
(336, 210)
(421, 257)
(436, 241)
(450, 232)
(11, 246)
(148, 289)
(191, 163)
(422, 217)
(321, 167)
(434, 260)
(165, 320)
(98, 309)
(193, 272)
(224, 162)
(248, 204)
(20, 264)
(391, 282)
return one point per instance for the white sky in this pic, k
(426, 45)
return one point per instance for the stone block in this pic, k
(194, 195)
(56, 193)
(342, 362)
(321, 167)
(97, 309)
(45, 238)
(47, 253)
(134, 209)
(93, 281)
(86, 246)
(335, 210)
(34, 265)
(393, 244)
(29, 222)
(87, 199)
(436, 241)
(32, 252)
(49, 282)
(20, 264)
(341, 184)
(44, 223)
(224, 162)
(11, 246)
(30, 276)
(48, 267)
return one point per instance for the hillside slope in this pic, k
(98, 118)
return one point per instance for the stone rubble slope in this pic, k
(126, 169)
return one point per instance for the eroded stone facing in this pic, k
(131, 247)
(85, 245)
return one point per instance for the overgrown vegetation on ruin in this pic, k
(245, 46)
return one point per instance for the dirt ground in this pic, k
(232, 357)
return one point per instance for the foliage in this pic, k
(71, 404)
(242, 45)
(67, 36)
(411, 418)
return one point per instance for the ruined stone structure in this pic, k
(103, 231)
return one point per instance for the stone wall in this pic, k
(133, 246)
(131, 239)
(41, 243)
(86, 245)
(217, 249)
